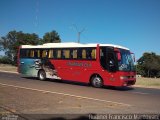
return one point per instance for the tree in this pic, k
(13, 40)
(51, 37)
(149, 65)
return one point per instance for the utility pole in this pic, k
(78, 32)
(79, 37)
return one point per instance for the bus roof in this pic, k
(70, 45)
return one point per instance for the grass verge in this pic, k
(7, 67)
(148, 82)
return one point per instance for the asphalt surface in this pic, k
(21, 95)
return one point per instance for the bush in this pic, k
(5, 60)
(158, 74)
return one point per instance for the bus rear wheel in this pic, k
(96, 81)
(41, 75)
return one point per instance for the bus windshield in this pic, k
(126, 63)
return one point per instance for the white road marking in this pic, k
(58, 93)
(141, 93)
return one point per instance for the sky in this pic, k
(134, 24)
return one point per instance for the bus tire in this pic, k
(96, 81)
(41, 75)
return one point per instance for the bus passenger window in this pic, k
(38, 54)
(88, 55)
(66, 53)
(44, 53)
(32, 53)
(83, 54)
(50, 54)
(27, 53)
(93, 53)
(54, 54)
(59, 54)
(74, 54)
(79, 53)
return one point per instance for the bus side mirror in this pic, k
(119, 56)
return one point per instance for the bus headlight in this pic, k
(123, 77)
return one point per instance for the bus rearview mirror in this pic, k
(119, 56)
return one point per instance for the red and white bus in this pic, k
(98, 64)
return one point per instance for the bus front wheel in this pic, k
(96, 81)
(41, 75)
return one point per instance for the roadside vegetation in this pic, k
(5, 60)
(149, 65)
(10, 43)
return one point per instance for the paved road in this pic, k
(29, 95)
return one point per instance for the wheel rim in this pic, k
(42, 74)
(97, 82)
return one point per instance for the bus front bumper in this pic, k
(128, 80)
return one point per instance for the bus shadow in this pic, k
(69, 82)
(126, 88)
(29, 78)
(59, 81)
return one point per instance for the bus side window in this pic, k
(38, 53)
(88, 54)
(66, 54)
(27, 53)
(58, 53)
(44, 53)
(74, 54)
(84, 54)
(50, 54)
(31, 53)
(93, 53)
(54, 53)
(23, 53)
